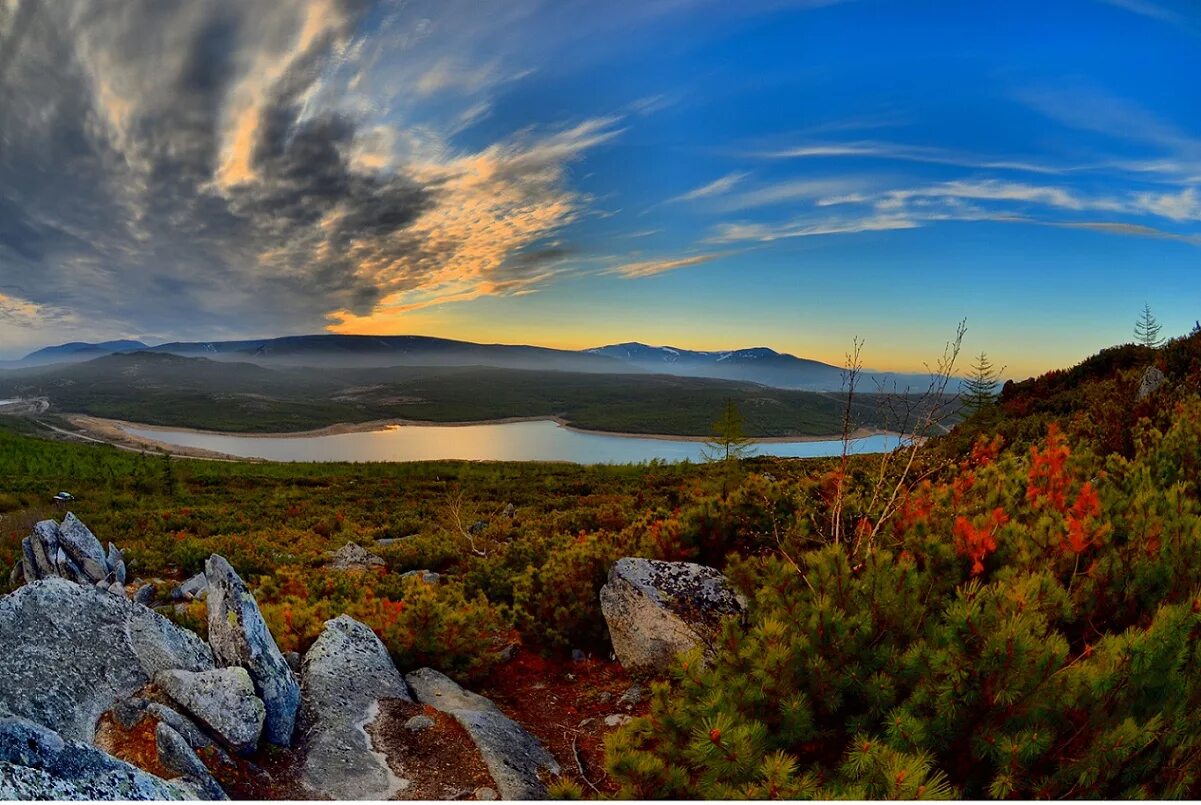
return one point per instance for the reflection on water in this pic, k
(514, 441)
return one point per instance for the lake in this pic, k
(542, 440)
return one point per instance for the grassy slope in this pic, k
(168, 390)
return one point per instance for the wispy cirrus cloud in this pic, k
(717, 187)
(649, 268)
(866, 149)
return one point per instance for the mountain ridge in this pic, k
(759, 364)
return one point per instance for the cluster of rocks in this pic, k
(71, 652)
(69, 550)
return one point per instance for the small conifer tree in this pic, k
(729, 444)
(980, 387)
(1146, 329)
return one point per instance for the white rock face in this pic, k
(240, 637)
(223, 699)
(656, 611)
(343, 678)
(515, 759)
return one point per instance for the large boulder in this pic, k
(658, 610)
(515, 759)
(240, 637)
(36, 763)
(223, 699)
(68, 653)
(344, 676)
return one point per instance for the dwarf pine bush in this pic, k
(1028, 628)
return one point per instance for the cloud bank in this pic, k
(225, 165)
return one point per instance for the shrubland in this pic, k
(1020, 620)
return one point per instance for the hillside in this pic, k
(163, 389)
(1008, 611)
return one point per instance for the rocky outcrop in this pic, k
(68, 653)
(1152, 379)
(344, 676)
(353, 557)
(70, 551)
(428, 576)
(222, 699)
(239, 637)
(36, 763)
(658, 610)
(515, 759)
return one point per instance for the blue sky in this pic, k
(704, 174)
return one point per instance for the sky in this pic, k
(572, 173)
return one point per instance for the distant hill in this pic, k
(77, 351)
(165, 389)
(366, 351)
(759, 365)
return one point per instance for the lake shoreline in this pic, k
(337, 429)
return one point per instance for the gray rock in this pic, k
(192, 589)
(176, 755)
(477, 528)
(484, 793)
(145, 595)
(632, 697)
(510, 511)
(36, 763)
(223, 699)
(353, 557)
(29, 562)
(658, 610)
(239, 636)
(44, 542)
(69, 653)
(617, 719)
(293, 659)
(419, 723)
(1152, 379)
(115, 560)
(344, 676)
(428, 576)
(16, 575)
(514, 758)
(386, 541)
(129, 712)
(82, 548)
(196, 737)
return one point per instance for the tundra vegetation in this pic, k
(1009, 610)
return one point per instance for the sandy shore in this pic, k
(117, 429)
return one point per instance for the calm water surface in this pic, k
(515, 441)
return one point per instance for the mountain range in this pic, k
(756, 365)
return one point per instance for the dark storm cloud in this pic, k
(172, 167)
